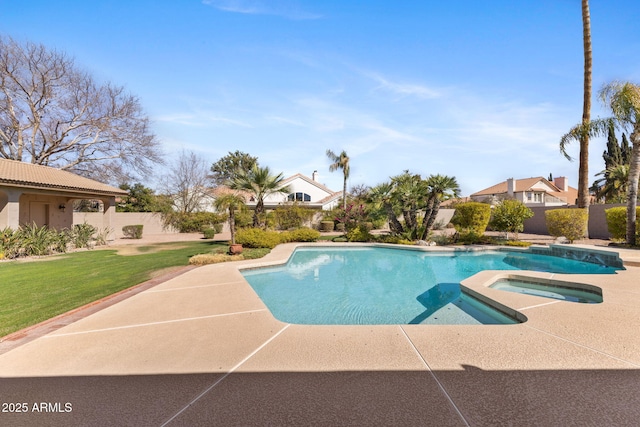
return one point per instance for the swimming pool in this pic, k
(374, 285)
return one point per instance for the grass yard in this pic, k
(34, 291)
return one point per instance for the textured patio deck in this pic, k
(202, 349)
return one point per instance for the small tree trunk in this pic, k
(232, 225)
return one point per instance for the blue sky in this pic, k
(479, 90)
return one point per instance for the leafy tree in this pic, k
(231, 202)
(613, 155)
(55, 114)
(228, 166)
(509, 216)
(409, 191)
(261, 183)
(340, 161)
(139, 199)
(381, 196)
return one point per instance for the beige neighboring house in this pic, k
(302, 189)
(532, 192)
(44, 195)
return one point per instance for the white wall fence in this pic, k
(151, 221)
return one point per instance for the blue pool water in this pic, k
(367, 285)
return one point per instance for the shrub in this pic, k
(36, 240)
(257, 238)
(617, 222)
(509, 216)
(194, 222)
(209, 233)
(81, 234)
(291, 216)
(570, 223)
(303, 235)
(9, 243)
(132, 231)
(359, 234)
(327, 226)
(204, 259)
(471, 217)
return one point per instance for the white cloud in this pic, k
(404, 89)
(288, 9)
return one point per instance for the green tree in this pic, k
(340, 161)
(231, 203)
(139, 199)
(260, 183)
(613, 187)
(509, 216)
(381, 196)
(228, 166)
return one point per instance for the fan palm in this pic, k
(261, 183)
(440, 188)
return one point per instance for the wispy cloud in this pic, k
(405, 89)
(200, 119)
(288, 9)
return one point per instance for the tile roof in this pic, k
(27, 175)
(521, 185)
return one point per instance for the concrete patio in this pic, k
(202, 349)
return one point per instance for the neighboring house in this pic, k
(536, 191)
(302, 189)
(44, 195)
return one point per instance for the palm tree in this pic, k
(340, 162)
(583, 137)
(409, 192)
(440, 188)
(382, 195)
(230, 202)
(624, 101)
(613, 187)
(261, 183)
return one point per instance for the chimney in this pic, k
(562, 183)
(314, 176)
(511, 187)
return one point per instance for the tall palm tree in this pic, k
(583, 137)
(261, 183)
(613, 187)
(439, 189)
(624, 100)
(340, 162)
(409, 191)
(230, 202)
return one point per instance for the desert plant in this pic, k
(570, 223)
(81, 235)
(9, 243)
(35, 240)
(471, 217)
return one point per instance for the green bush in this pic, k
(570, 223)
(617, 222)
(209, 233)
(257, 238)
(194, 222)
(303, 234)
(359, 234)
(132, 231)
(36, 240)
(509, 216)
(327, 226)
(471, 217)
(81, 235)
(291, 216)
(218, 228)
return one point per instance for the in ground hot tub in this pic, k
(556, 289)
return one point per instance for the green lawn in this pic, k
(34, 291)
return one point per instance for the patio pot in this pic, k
(235, 249)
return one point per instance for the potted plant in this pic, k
(231, 202)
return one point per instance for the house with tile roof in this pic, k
(536, 191)
(44, 195)
(302, 189)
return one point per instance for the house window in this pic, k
(299, 197)
(537, 197)
(529, 196)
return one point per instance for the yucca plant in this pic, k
(82, 234)
(35, 240)
(9, 243)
